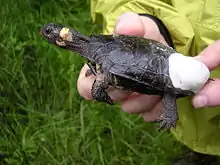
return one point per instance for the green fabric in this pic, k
(193, 26)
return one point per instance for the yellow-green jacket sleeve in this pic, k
(192, 27)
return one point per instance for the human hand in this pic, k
(209, 96)
(148, 106)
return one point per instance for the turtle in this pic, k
(133, 63)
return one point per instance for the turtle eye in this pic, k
(48, 30)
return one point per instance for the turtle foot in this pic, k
(102, 96)
(99, 93)
(169, 115)
(166, 123)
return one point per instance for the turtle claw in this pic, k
(91, 70)
(108, 100)
(99, 90)
(102, 96)
(88, 73)
(166, 123)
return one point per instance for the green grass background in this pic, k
(43, 119)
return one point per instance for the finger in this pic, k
(211, 55)
(151, 30)
(209, 96)
(84, 84)
(139, 103)
(117, 94)
(129, 23)
(132, 24)
(151, 116)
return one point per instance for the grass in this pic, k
(43, 119)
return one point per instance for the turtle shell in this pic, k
(134, 63)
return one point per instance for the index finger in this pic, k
(211, 55)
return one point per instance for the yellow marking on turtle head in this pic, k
(60, 43)
(65, 34)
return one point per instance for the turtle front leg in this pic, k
(169, 115)
(99, 89)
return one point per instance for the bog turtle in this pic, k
(134, 64)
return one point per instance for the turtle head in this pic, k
(51, 32)
(66, 38)
(56, 34)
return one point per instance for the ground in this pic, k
(44, 121)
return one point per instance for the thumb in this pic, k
(209, 96)
(131, 23)
(211, 55)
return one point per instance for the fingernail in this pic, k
(200, 101)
